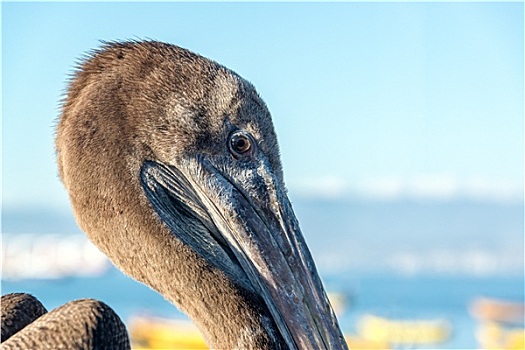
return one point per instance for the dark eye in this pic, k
(240, 144)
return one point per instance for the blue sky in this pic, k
(380, 99)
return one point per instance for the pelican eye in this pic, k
(241, 144)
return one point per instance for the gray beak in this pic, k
(254, 238)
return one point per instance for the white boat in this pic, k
(50, 256)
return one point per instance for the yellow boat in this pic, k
(158, 333)
(492, 335)
(374, 328)
(149, 332)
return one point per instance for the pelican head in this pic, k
(172, 166)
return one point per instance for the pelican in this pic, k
(172, 167)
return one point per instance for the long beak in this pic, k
(260, 238)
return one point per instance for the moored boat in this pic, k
(148, 332)
(501, 323)
(375, 328)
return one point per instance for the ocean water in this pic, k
(390, 296)
(400, 260)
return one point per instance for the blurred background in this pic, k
(401, 134)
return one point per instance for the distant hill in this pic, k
(409, 236)
(411, 223)
(38, 220)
